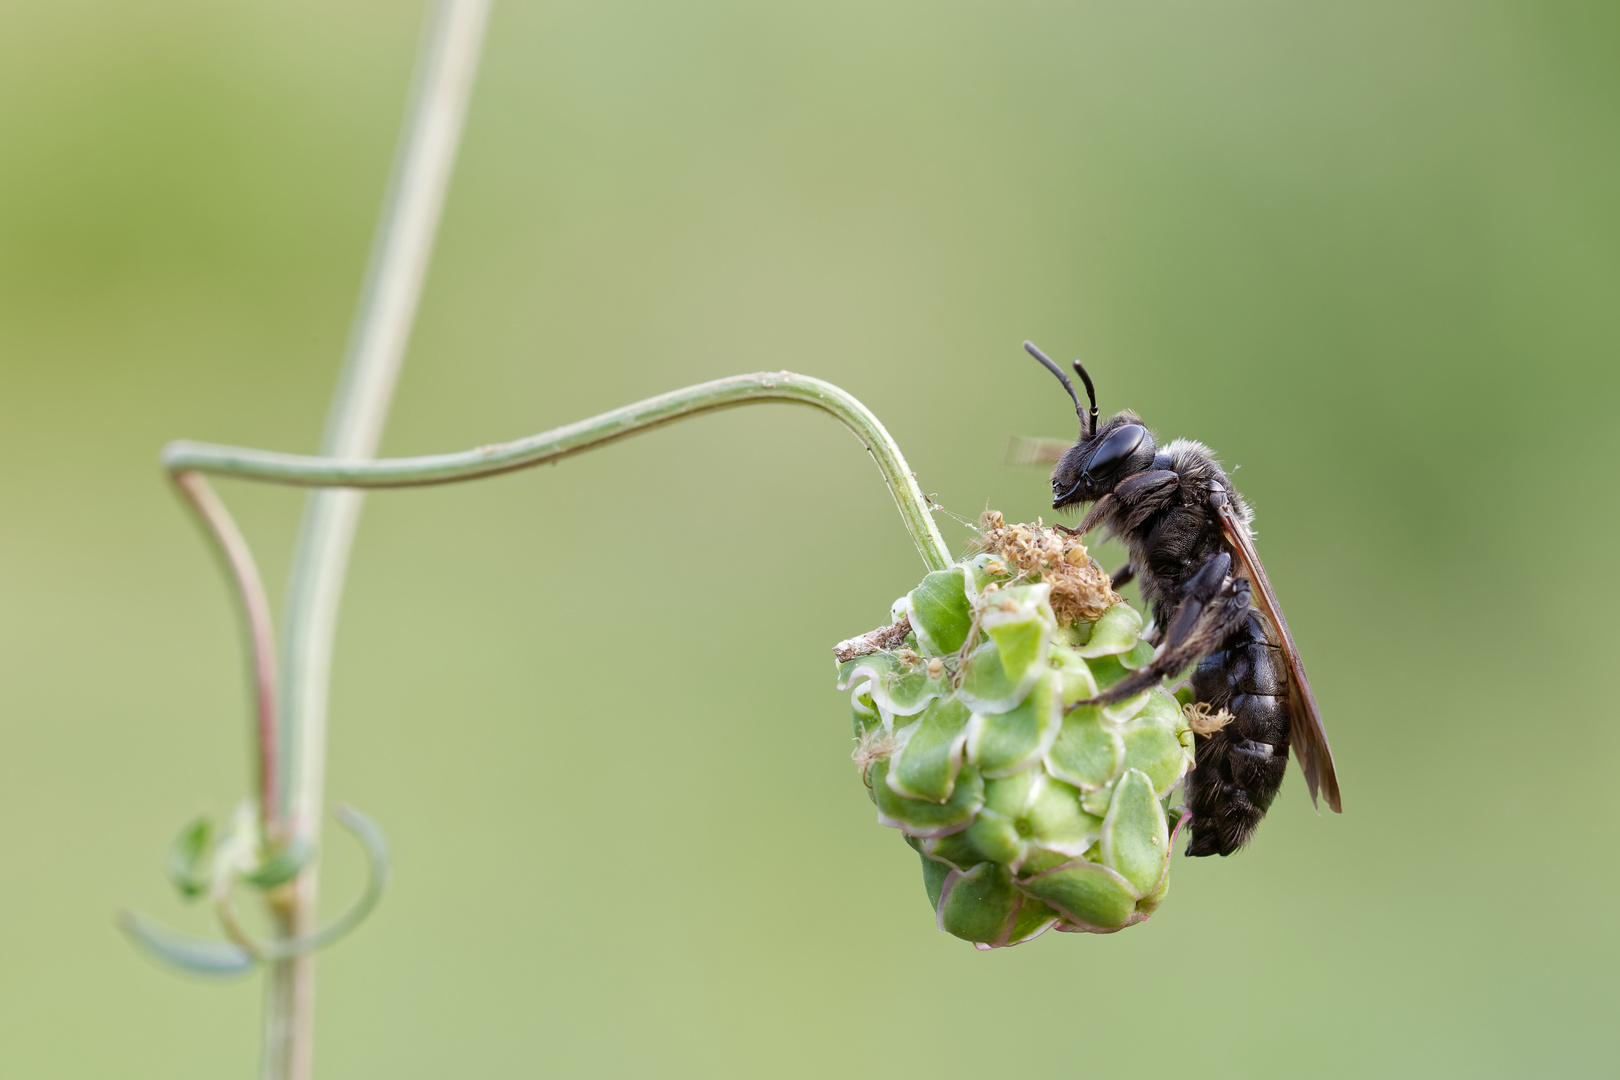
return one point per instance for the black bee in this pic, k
(1187, 530)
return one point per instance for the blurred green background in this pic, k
(1369, 252)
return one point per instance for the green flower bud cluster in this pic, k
(1029, 811)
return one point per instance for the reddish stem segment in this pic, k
(233, 548)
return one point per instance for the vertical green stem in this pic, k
(398, 264)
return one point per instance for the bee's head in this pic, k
(1103, 456)
(1091, 468)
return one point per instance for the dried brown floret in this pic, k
(1204, 720)
(1080, 588)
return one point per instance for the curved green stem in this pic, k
(289, 951)
(581, 436)
(244, 573)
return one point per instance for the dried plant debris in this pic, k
(871, 746)
(1205, 720)
(1081, 589)
(885, 637)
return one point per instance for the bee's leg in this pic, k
(1199, 592)
(1144, 495)
(1094, 517)
(1211, 607)
(1122, 576)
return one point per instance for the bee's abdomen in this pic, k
(1240, 767)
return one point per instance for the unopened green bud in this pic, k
(1029, 810)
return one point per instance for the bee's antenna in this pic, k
(1029, 347)
(1091, 395)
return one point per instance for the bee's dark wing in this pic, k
(1033, 450)
(1305, 721)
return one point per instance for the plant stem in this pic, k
(244, 572)
(394, 276)
(578, 437)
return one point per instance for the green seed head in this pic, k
(1029, 811)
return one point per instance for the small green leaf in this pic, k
(1001, 744)
(933, 879)
(1119, 712)
(1019, 643)
(865, 712)
(1096, 803)
(1038, 860)
(1135, 835)
(917, 817)
(195, 956)
(283, 866)
(189, 859)
(1161, 710)
(1115, 633)
(926, 766)
(1158, 754)
(986, 686)
(979, 905)
(1140, 656)
(1056, 821)
(939, 612)
(1020, 621)
(997, 837)
(984, 681)
(1153, 898)
(898, 685)
(1107, 670)
(1010, 795)
(1086, 753)
(1088, 895)
(1034, 919)
(1077, 680)
(957, 849)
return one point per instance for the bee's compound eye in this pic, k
(1115, 449)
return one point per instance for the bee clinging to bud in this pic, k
(1187, 531)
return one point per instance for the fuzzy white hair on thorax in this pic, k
(1185, 452)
